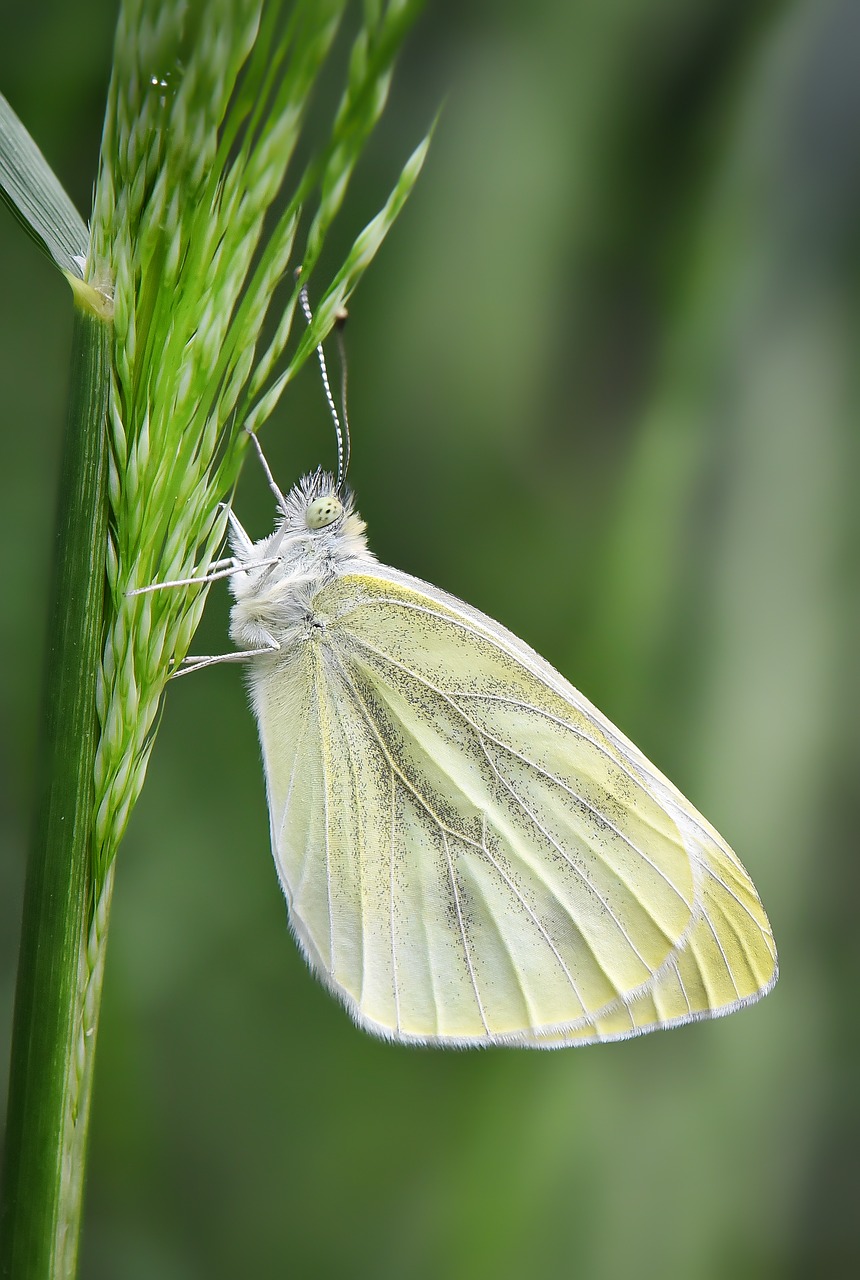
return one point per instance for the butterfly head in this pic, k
(317, 526)
(314, 506)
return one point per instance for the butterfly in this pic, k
(471, 853)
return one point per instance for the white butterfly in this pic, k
(471, 853)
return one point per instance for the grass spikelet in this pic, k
(200, 132)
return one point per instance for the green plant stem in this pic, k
(64, 925)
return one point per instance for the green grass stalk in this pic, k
(52, 1042)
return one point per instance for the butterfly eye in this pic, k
(323, 511)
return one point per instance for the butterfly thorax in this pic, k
(281, 574)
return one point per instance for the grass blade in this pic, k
(32, 191)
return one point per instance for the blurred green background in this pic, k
(604, 386)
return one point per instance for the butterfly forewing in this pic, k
(471, 852)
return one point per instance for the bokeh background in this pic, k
(604, 385)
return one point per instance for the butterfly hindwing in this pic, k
(471, 852)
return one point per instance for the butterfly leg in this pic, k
(279, 497)
(219, 569)
(223, 568)
(198, 661)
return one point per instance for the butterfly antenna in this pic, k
(341, 351)
(342, 432)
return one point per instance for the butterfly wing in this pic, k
(472, 853)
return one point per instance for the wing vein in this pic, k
(325, 772)
(728, 889)
(505, 942)
(742, 941)
(721, 950)
(359, 842)
(462, 926)
(675, 966)
(391, 904)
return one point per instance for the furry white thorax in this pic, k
(273, 599)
